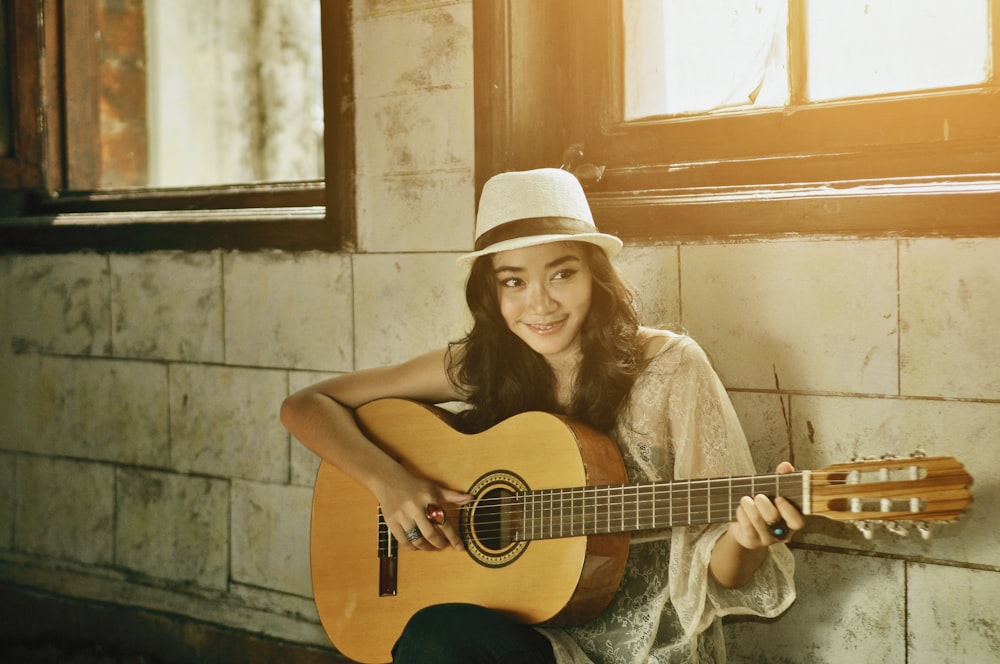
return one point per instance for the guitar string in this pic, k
(614, 508)
(617, 509)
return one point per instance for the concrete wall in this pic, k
(142, 462)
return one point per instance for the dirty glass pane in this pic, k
(693, 56)
(869, 47)
(200, 92)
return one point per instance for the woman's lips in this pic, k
(545, 329)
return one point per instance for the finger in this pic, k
(412, 537)
(766, 509)
(772, 526)
(456, 497)
(791, 514)
(752, 524)
(784, 468)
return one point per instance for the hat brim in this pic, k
(609, 243)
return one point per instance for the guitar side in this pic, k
(554, 580)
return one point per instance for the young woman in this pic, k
(555, 330)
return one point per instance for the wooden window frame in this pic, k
(37, 214)
(547, 78)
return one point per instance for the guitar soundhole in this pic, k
(490, 524)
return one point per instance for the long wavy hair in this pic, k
(501, 375)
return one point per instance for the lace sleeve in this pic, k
(706, 440)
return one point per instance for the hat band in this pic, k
(533, 226)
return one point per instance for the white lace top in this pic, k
(679, 423)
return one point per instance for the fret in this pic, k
(709, 487)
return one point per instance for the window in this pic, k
(792, 157)
(190, 124)
(682, 57)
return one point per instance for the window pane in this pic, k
(688, 56)
(868, 47)
(197, 92)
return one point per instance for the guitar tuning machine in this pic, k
(924, 529)
(918, 454)
(867, 529)
(897, 528)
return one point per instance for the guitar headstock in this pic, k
(891, 490)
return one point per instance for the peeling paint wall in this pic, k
(142, 462)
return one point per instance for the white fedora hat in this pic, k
(525, 208)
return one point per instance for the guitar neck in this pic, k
(602, 510)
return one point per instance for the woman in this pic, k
(555, 330)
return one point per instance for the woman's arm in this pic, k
(322, 418)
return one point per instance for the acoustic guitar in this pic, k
(547, 533)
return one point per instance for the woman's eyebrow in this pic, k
(568, 258)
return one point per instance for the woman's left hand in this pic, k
(759, 519)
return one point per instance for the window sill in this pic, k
(294, 228)
(960, 206)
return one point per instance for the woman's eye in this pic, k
(563, 274)
(512, 282)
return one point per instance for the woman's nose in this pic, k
(540, 299)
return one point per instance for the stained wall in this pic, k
(142, 462)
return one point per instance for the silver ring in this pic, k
(414, 534)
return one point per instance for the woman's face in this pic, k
(544, 293)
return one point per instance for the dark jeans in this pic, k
(469, 634)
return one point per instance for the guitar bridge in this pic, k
(387, 559)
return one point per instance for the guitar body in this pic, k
(568, 579)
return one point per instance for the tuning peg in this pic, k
(889, 456)
(924, 529)
(866, 528)
(897, 528)
(918, 454)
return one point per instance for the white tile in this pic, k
(173, 527)
(427, 130)
(399, 53)
(417, 212)
(799, 315)
(652, 272)
(369, 8)
(829, 430)
(764, 419)
(224, 422)
(407, 304)
(270, 536)
(111, 410)
(950, 310)
(849, 609)
(168, 305)
(954, 615)
(65, 509)
(57, 304)
(289, 310)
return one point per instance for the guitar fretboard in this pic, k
(553, 513)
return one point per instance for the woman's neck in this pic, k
(565, 369)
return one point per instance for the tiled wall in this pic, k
(141, 460)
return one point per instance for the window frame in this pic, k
(38, 215)
(894, 173)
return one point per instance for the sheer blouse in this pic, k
(678, 423)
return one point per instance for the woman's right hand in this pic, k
(404, 501)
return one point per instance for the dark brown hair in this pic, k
(502, 376)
